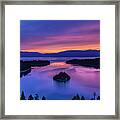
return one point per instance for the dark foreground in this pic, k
(75, 97)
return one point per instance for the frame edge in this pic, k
(2, 75)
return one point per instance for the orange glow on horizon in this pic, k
(60, 49)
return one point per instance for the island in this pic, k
(95, 62)
(61, 77)
(25, 66)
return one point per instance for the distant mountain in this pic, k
(30, 54)
(68, 53)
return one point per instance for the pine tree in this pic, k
(43, 98)
(82, 98)
(74, 98)
(30, 97)
(94, 95)
(77, 97)
(36, 97)
(98, 98)
(22, 96)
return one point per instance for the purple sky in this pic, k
(49, 36)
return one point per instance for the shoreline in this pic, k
(95, 63)
(25, 66)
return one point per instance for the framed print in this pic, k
(60, 59)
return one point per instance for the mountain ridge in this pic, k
(68, 53)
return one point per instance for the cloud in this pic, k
(49, 35)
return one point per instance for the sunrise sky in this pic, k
(51, 36)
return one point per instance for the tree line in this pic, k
(76, 97)
(36, 97)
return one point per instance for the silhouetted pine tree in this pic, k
(94, 94)
(43, 98)
(98, 98)
(36, 97)
(30, 97)
(22, 96)
(77, 97)
(82, 98)
(74, 98)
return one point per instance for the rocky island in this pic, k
(95, 63)
(61, 77)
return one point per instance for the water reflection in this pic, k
(61, 85)
(84, 81)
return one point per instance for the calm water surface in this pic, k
(84, 81)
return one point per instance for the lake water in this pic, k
(84, 81)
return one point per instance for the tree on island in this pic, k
(61, 77)
(22, 96)
(30, 97)
(36, 97)
(43, 98)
